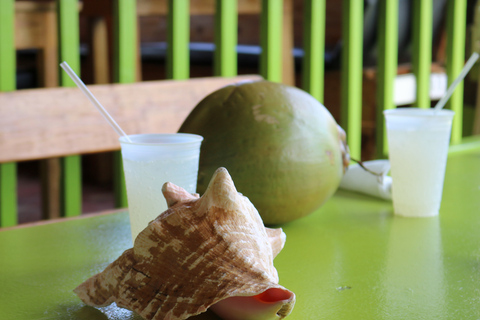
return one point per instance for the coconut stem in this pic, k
(360, 163)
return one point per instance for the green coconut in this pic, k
(282, 148)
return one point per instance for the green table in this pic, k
(352, 259)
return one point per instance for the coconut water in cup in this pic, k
(149, 161)
(418, 141)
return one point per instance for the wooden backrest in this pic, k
(225, 63)
(61, 122)
(56, 122)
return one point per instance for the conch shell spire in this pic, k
(221, 191)
(203, 252)
(175, 194)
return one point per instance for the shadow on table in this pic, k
(111, 312)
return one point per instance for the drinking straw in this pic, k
(93, 100)
(471, 61)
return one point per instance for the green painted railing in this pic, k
(225, 64)
(386, 67)
(69, 48)
(422, 50)
(352, 61)
(226, 25)
(178, 36)
(8, 171)
(456, 17)
(125, 71)
(271, 40)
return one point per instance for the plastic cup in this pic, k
(418, 141)
(149, 161)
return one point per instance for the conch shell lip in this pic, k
(273, 303)
(200, 253)
(273, 295)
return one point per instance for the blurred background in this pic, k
(36, 44)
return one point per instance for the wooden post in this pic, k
(313, 69)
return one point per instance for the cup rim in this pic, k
(419, 112)
(168, 139)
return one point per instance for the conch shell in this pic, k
(212, 251)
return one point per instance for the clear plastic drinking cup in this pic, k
(149, 161)
(418, 141)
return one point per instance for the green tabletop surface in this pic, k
(351, 259)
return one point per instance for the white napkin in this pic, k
(359, 180)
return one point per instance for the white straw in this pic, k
(93, 100)
(471, 61)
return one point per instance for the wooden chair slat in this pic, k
(50, 122)
(50, 188)
(204, 7)
(352, 64)
(387, 68)
(226, 26)
(36, 27)
(456, 21)
(288, 61)
(313, 68)
(271, 40)
(46, 33)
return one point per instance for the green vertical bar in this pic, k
(68, 38)
(422, 50)
(8, 171)
(7, 46)
(386, 66)
(72, 186)
(456, 22)
(119, 186)
(271, 40)
(125, 71)
(8, 194)
(125, 41)
(351, 73)
(226, 24)
(314, 48)
(69, 51)
(178, 34)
